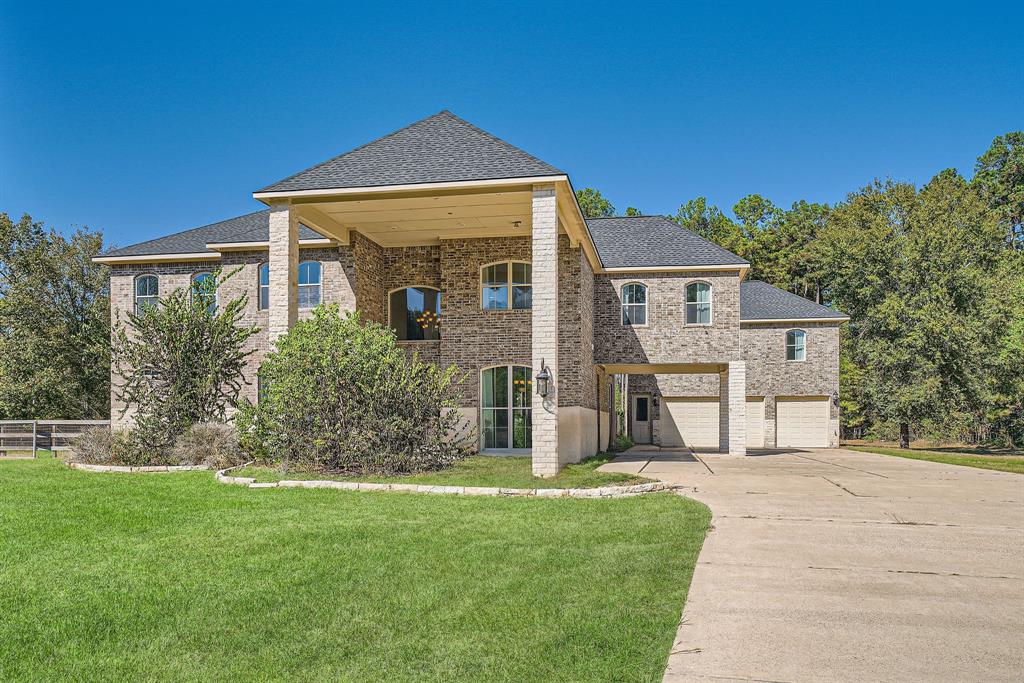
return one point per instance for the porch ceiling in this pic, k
(394, 221)
(663, 368)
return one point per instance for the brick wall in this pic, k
(666, 338)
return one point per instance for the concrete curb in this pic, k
(602, 492)
(135, 470)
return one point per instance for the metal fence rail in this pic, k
(47, 435)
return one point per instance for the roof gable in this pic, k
(654, 241)
(439, 148)
(762, 301)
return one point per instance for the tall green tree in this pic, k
(593, 204)
(999, 176)
(54, 323)
(708, 221)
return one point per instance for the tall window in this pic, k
(264, 287)
(147, 292)
(309, 284)
(698, 303)
(506, 285)
(506, 400)
(199, 289)
(415, 313)
(634, 304)
(796, 345)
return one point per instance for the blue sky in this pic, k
(142, 121)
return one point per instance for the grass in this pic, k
(173, 576)
(479, 470)
(967, 458)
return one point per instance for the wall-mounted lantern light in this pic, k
(543, 377)
(835, 398)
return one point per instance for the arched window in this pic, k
(506, 393)
(698, 303)
(796, 345)
(506, 285)
(414, 313)
(634, 304)
(209, 291)
(263, 301)
(147, 292)
(309, 284)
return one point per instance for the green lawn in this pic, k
(1003, 463)
(480, 470)
(173, 576)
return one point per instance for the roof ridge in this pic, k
(492, 136)
(356, 149)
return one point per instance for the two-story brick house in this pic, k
(477, 254)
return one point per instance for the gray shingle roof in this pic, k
(252, 227)
(647, 241)
(439, 148)
(761, 301)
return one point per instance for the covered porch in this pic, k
(646, 411)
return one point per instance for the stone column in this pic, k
(545, 329)
(732, 414)
(284, 270)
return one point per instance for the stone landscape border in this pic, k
(599, 492)
(124, 469)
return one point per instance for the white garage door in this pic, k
(802, 422)
(755, 422)
(690, 422)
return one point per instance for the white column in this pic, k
(545, 329)
(732, 415)
(284, 271)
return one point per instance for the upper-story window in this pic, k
(634, 304)
(415, 313)
(147, 292)
(698, 303)
(263, 301)
(506, 285)
(199, 289)
(309, 284)
(796, 345)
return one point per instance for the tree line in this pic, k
(931, 277)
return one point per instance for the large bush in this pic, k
(339, 395)
(180, 363)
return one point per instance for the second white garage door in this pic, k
(690, 422)
(801, 422)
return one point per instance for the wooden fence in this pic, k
(25, 436)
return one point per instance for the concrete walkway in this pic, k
(833, 565)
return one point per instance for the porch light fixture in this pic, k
(543, 377)
(835, 398)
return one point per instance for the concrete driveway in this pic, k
(833, 565)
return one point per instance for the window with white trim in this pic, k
(796, 345)
(698, 303)
(309, 284)
(147, 292)
(506, 285)
(506, 407)
(263, 284)
(208, 291)
(634, 304)
(414, 313)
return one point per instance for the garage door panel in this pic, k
(802, 422)
(690, 422)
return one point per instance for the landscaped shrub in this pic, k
(339, 395)
(102, 446)
(208, 443)
(180, 363)
(621, 443)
